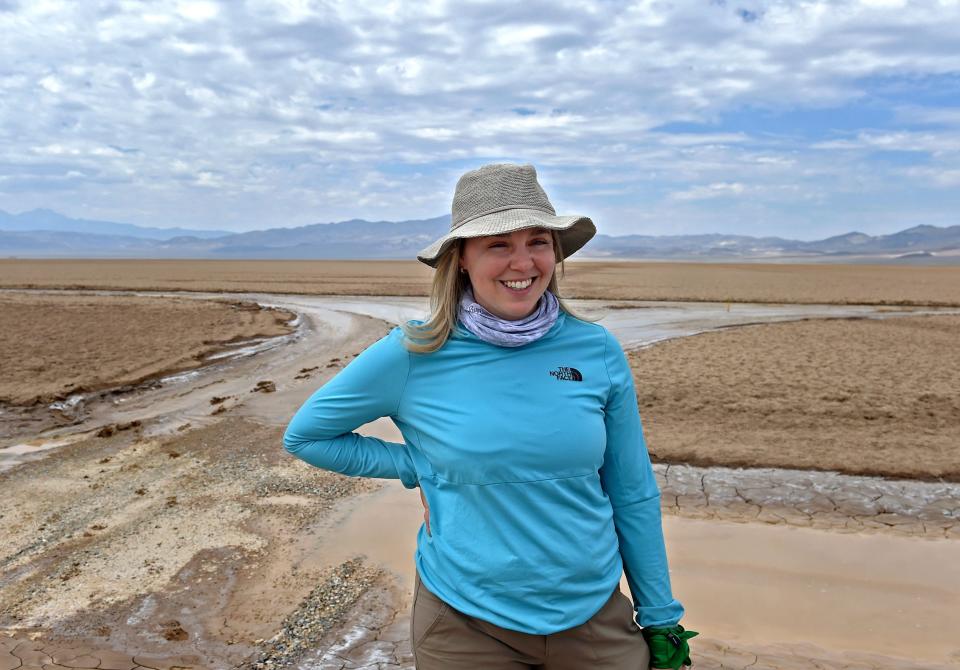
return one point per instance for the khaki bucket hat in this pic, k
(501, 198)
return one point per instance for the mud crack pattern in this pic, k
(824, 500)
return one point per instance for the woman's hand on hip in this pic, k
(426, 511)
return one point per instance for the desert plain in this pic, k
(603, 280)
(152, 519)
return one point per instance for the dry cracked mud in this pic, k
(811, 499)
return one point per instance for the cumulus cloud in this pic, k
(716, 190)
(266, 113)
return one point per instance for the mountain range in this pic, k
(48, 220)
(47, 234)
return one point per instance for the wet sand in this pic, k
(863, 397)
(55, 345)
(626, 280)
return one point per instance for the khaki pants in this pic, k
(444, 639)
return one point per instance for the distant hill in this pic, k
(356, 238)
(930, 242)
(48, 220)
(57, 236)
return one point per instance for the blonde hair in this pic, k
(445, 293)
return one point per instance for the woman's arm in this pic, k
(370, 387)
(628, 480)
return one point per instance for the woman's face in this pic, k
(509, 272)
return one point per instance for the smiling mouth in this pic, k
(518, 284)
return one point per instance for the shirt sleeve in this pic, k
(629, 482)
(370, 387)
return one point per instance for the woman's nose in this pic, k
(521, 258)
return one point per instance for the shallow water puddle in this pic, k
(635, 323)
(15, 454)
(874, 593)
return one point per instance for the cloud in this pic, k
(938, 116)
(927, 142)
(945, 177)
(197, 11)
(278, 113)
(710, 191)
(690, 139)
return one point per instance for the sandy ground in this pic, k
(209, 547)
(161, 547)
(855, 396)
(55, 345)
(214, 549)
(745, 282)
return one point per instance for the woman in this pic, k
(521, 430)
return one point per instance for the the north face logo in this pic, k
(567, 374)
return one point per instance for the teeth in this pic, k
(519, 285)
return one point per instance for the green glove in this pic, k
(668, 646)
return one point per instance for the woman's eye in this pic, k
(498, 245)
(540, 241)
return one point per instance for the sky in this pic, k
(801, 119)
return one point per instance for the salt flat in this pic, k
(629, 280)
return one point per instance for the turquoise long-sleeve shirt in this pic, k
(531, 458)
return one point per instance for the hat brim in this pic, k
(574, 231)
